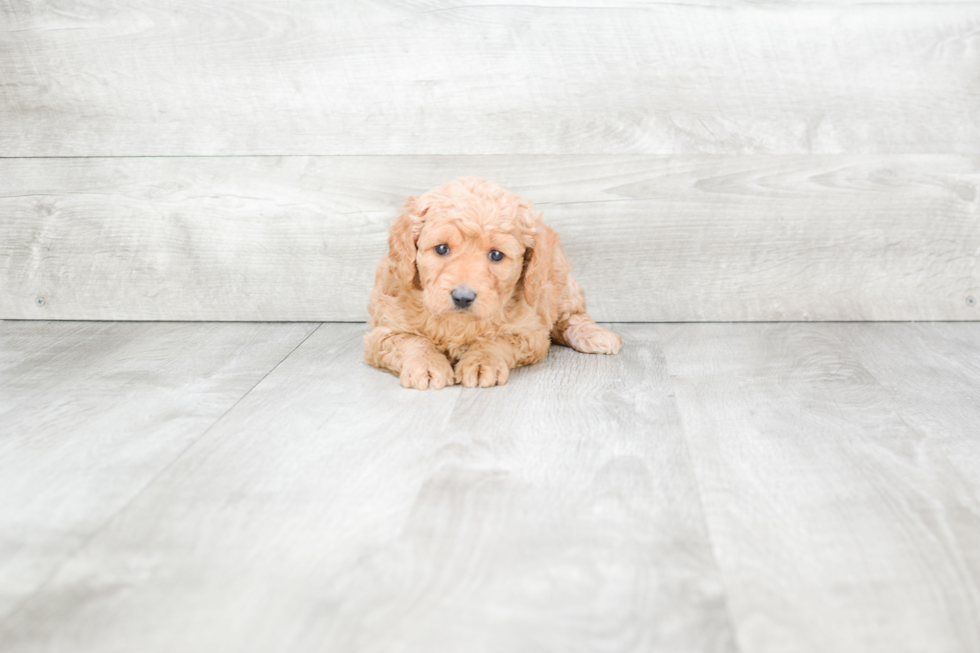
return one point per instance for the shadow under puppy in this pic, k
(474, 284)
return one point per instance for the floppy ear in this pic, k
(538, 265)
(401, 244)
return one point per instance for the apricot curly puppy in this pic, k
(474, 284)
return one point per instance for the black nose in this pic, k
(463, 297)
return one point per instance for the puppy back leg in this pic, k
(577, 330)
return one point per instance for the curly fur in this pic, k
(523, 302)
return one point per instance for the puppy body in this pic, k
(474, 284)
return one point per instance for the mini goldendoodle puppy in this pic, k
(474, 284)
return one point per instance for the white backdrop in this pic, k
(241, 160)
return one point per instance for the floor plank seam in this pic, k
(704, 518)
(81, 547)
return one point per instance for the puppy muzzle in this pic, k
(463, 297)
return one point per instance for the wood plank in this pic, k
(836, 525)
(395, 77)
(932, 373)
(91, 413)
(333, 510)
(297, 238)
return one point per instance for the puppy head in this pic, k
(465, 245)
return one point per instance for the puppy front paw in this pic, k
(429, 372)
(476, 369)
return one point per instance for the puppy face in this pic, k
(467, 267)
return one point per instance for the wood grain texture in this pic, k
(445, 77)
(829, 469)
(837, 525)
(650, 238)
(333, 510)
(91, 413)
(932, 374)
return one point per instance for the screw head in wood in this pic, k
(39, 301)
(971, 301)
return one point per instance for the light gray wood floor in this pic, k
(715, 487)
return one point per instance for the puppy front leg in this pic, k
(488, 362)
(413, 358)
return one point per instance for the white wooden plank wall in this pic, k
(241, 160)
(151, 78)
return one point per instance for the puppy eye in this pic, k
(496, 255)
(442, 250)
